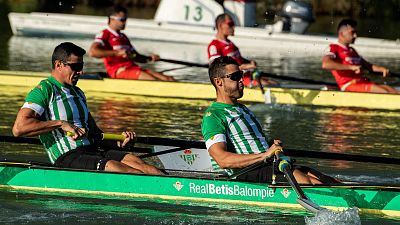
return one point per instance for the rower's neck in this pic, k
(226, 99)
(221, 37)
(115, 30)
(343, 43)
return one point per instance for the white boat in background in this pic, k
(192, 21)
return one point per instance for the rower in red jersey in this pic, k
(222, 46)
(118, 53)
(346, 64)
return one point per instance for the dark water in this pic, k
(367, 132)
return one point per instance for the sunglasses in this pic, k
(75, 66)
(235, 76)
(121, 19)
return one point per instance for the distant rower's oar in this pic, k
(184, 63)
(394, 74)
(303, 199)
(301, 80)
(201, 145)
(270, 75)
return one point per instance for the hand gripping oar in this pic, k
(303, 199)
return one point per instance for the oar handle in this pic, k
(112, 137)
(105, 136)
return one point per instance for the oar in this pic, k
(302, 198)
(153, 141)
(247, 169)
(270, 75)
(184, 63)
(340, 156)
(302, 80)
(392, 74)
(201, 145)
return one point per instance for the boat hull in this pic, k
(64, 25)
(290, 96)
(381, 200)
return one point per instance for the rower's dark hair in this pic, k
(218, 67)
(220, 19)
(65, 50)
(347, 22)
(115, 10)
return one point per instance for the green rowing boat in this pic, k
(193, 188)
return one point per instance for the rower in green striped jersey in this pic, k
(55, 101)
(57, 106)
(234, 138)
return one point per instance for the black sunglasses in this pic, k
(235, 76)
(75, 66)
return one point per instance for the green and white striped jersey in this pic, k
(55, 101)
(237, 126)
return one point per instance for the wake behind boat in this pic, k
(192, 21)
(293, 95)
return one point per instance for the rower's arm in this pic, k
(228, 160)
(27, 123)
(375, 68)
(97, 50)
(329, 64)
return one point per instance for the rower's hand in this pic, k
(154, 57)
(73, 131)
(385, 72)
(248, 66)
(253, 64)
(356, 68)
(276, 146)
(129, 137)
(123, 53)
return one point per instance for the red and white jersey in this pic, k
(348, 56)
(112, 40)
(218, 48)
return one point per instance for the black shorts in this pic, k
(88, 157)
(263, 175)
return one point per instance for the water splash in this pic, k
(327, 217)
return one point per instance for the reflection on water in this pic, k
(69, 210)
